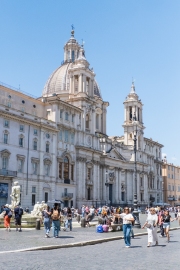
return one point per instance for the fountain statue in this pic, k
(15, 195)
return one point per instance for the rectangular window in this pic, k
(141, 180)
(47, 147)
(21, 128)
(169, 175)
(60, 135)
(5, 138)
(97, 121)
(172, 176)
(20, 166)
(171, 168)
(48, 113)
(21, 142)
(4, 163)
(35, 165)
(33, 199)
(122, 196)
(6, 123)
(35, 132)
(169, 187)
(33, 189)
(168, 167)
(66, 134)
(73, 116)
(72, 172)
(172, 188)
(46, 197)
(60, 170)
(66, 116)
(142, 196)
(72, 138)
(178, 188)
(61, 114)
(34, 145)
(9, 104)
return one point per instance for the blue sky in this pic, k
(123, 39)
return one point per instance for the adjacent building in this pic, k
(57, 147)
(171, 183)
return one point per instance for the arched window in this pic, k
(66, 168)
(87, 121)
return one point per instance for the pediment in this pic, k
(115, 154)
(5, 153)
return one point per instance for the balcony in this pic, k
(8, 173)
(67, 196)
(67, 181)
(171, 198)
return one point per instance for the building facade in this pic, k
(56, 146)
(171, 183)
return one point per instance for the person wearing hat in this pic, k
(7, 219)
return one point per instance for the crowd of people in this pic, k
(56, 218)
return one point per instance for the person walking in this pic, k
(166, 223)
(160, 221)
(7, 217)
(127, 225)
(151, 225)
(47, 215)
(56, 220)
(178, 216)
(69, 219)
(18, 212)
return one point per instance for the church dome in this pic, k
(74, 58)
(58, 82)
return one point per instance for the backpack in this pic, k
(55, 215)
(10, 214)
(20, 211)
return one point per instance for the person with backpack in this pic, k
(56, 220)
(69, 219)
(46, 214)
(7, 217)
(18, 212)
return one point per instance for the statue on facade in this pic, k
(15, 194)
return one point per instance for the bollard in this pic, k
(38, 224)
(83, 222)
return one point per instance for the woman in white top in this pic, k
(151, 224)
(127, 225)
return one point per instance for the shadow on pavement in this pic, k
(136, 246)
(65, 237)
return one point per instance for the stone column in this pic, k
(119, 184)
(93, 121)
(103, 183)
(83, 180)
(94, 182)
(116, 186)
(42, 147)
(98, 183)
(90, 86)
(84, 83)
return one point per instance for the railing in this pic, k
(5, 172)
(67, 181)
(172, 199)
(67, 196)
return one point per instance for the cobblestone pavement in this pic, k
(111, 255)
(30, 238)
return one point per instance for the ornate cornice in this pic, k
(81, 159)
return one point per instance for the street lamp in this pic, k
(135, 212)
(107, 185)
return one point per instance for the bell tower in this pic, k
(133, 119)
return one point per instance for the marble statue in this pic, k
(15, 195)
(38, 208)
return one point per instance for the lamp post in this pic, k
(136, 213)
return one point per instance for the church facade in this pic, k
(56, 146)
